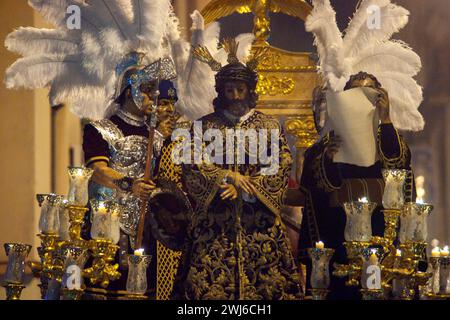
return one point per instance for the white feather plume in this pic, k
(392, 19)
(79, 65)
(195, 83)
(151, 18)
(322, 22)
(390, 55)
(55, 12)
(360, 16)
(371, 50)
(38, 71)
(33, 41)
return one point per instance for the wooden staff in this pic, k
(148, 175)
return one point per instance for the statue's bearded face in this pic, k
(237, 97)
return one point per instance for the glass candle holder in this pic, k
(369, 256)
(64, 221)
(73, 256)
(433, 268)
(358, 226)
(320, 274)
(444, 271)
(78, 187)
(413, 222)
(103, 214)
(393, 196)
(17, 254)
(49, 218)
(137, 273)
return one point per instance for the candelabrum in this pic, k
(320, 276)
(49, 226)
(438, 286)
(399, 266)
(13, 281)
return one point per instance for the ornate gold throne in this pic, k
(286, 79)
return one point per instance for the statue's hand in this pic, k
(382, 103)
(143, 189)
(229, 192)
(242, 182)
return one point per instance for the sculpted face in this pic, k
(166, 117)
(237, 97)
(366, 82)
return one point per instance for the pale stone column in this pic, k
(25, 165)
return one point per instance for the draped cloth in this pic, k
(238, 249)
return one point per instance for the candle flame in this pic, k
(139, 252)
(445, 249)
(419, 201)
(363, 200)
(399, 253)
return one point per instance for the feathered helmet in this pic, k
(118, 44)
(133, 74)
(367, 47)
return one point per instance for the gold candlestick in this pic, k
(352, 270)
(391, 217)
(13, 290)
(102, 271)
(76, 217)
(372, 294)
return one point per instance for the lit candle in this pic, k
(139, 252)
(363, 200)
(101, 221)
(102, 208)
(436, 252)
(398, 253)
(78, 187)
(115, 226)
(320, 245)
(445, 252)
(373, 259)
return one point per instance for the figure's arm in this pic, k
(392, 149)
(97, 158)
(320, 172)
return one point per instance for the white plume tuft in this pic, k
(371, 50)
(33, 41)
(38, 71)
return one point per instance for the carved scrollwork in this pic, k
(273, 85)
(303, 128)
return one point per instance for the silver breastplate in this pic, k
(127, 154)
